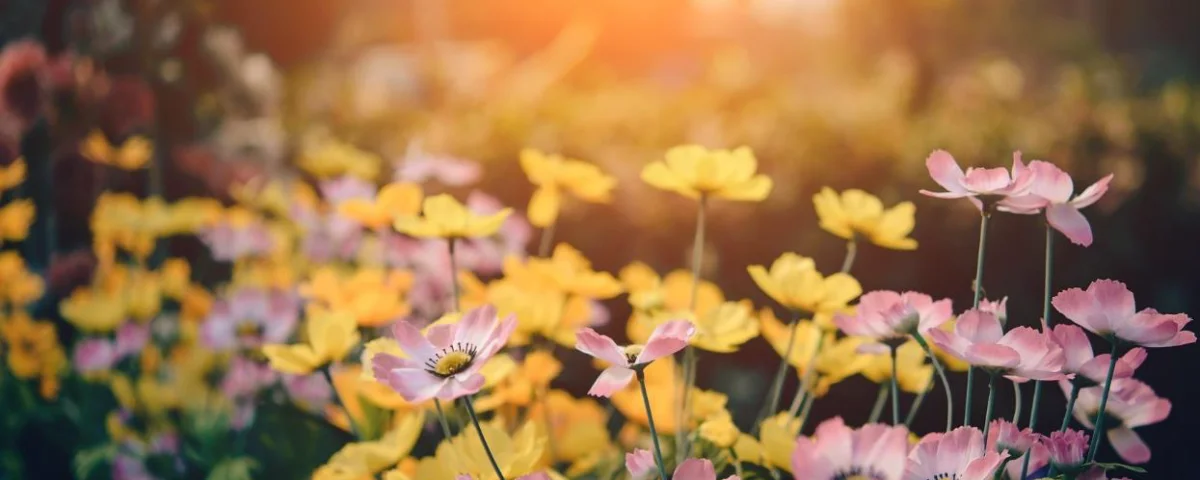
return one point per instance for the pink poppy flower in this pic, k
(835, 451)
(640, 464)
(1068, 450)
(886, 315)
(249, 318)
(1021, 354)
(667, 338)
(1080, 359)
(1039, 458)
(94, 355)
(228, 242)
(246, 377)
(445, 363)
(987, 183)
(958, 454)
(1005, 437)
(1107, 309)
(1131, 404)
(1051, 191)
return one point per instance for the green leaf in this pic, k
(1120, 466)
(238, 468)
(89, 459)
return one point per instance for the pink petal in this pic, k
(600, 346)
(695, 469)
(986, 180)
(1066, 219)
(1079, 307)
(414, 384)
(1092, 193)
(809, 461)
(1152, 329)
(945, 171)
(992, 355)
(1129, 445)
(414, 344)
(667, 338)
(1050, 182)
(983, 468)
(979, 327)
(884, 448)
(610, 381)
(383, 363)
(461, 385)
(639, 462)
(476, 326)
(1077, 349)
(836, 442)
(946, 195)
(1113, 298)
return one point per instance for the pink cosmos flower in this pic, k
(250, 317)
(1068, 450)
(326, 236)
(94, 355)
(835, 451)
(640, 464)
(347, 187)
(1039, 458)
(997, 308)
(1051, 191)
(131, 339)
(667, 338)
(419, 166)
(246, 377)
(1020, 355)
(1005, 437)
(229, 242)
(1107, 309)
(976, 182)
(445, 363)
(959, 455)
(1131, 404)
(886, 315)
(311, 392)
(1080, 359)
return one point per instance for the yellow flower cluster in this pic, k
(133, 154)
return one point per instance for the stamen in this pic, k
(452, 360)
(632, 352)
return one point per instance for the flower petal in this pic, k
(667, 338)
(600, 346)
(1066, 219)
(610, 381)
(945, 171)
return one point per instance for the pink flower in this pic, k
(667, 338)
(250, 317)
(419, 166)
(94, 355)
(1131, 404)
(229, 242)
(1005, 437)
(311, 392)
(1039, 458)
(131, 339)
(445, 363)
(24, 86)
(976, 182)
(1051, 192)
(1081, 360)
(1107, 309)
(347, 187)
(1068, 450)
(640, 464)
(514, 233)
(888, 315)
(246, 377)
(1020, 355)
(999, 309)
(326, 236)
(875, 451)
(959, 455)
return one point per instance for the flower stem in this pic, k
(689, 353)
(806, 381)
(338, 398)
(851, 253)
(880, 399)
(1066, 421)
(895, 391)
(547, 239)
(941, 371)
(658, 458)
(442, 418)
(454, 275)
(1016, 403)
(991, 405)
(805, 410)
(1102, 411)
(916, 406)
(1048, 272)
(737, 462)
(482, 440)
(983, 226)
(780, 374)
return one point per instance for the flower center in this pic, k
(858, 473)
(249, 329)
(632, 352)
(452, 360)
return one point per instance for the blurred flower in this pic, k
(836, 451)
(1020, 354)
(1051, 192)
(367, 458)
(237, 233)
(18, 286)
(668, 338)
(1107, 309)
(913, 374)
(1131, 404)
(331, 158)
(641, 466)
(577, 428)
(249, 317)
(93, 356)
(15, 219)
(795, 283)
(552, 173)
(722, 329)
(245, 377)
(884, 315)
(417, 166)
(959, 453)
(856, 213)
(1004, 437)
(32, 350)
(517, 454)
(24, 86)
(778, 435)
(839, 360)
(330, 337)
(1068, 450)
(95, 310)
(803, 347)
(445, 217)
(12, 175)
(373, 297)
(694, 172)
(394, 200)
(992, 184)
(720, 431)
(133, 154)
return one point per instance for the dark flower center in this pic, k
(452, 360)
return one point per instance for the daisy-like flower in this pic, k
(445, 217)
(419, 166)
(1004, 437)
(885, 316)
(957, 455)
(668, 338)
(835, 452)
(855, 213)
(1051, 191)
(795, 283)
(694, 172)
(553, 175)
(444, 364)
(1090, 368)
(394, 200)
(640, 464)
(976, 184)
(249, 317)
(330, 337)
(1131, 404)
(1107, 309)
(1068, 450)
(1021, 354)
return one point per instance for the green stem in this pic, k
(806, 381)
(737, 463)
(895, 391)
(442, 418)
(916, 407)
(983, 226)
(1066, 421)
(941, 371)
(482, 440)
(689, 354)
(658, 457)
(547, 239)
(342, 405)
(808, 403)
(454, 275)
(1048, 273)
(880, 399)
(991, 405)
(1017, 403)
(780, 374)
(851, 253)
(1098, 432)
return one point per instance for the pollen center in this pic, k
(859, 473)
(632, 352)
(451, 363)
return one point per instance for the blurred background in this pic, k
(839, 93)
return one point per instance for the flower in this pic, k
(15, 219)
(331, 158)
(12, 175)
(913, 374)
(1107, 309)
(517, 454)
(1080, 359)
(93, 356)
(958, 454)
(445, 217)
(552, 174)
(1004, 437)
(720, 431)
(668, 338)
(694, 172)
(32, 351)
(374, 297)
(835, 452)
(1051, 191)
(330, 337)
(394, 200)
(856, 213)
(976, 183)
(640, 464)
(418, 166)
(886, 315)
(795, 283)
(367, 458)
(778, 436)
(1068, 450)
(24, 84)
(1131, 404)
(133, 154)
(804, 346)
(1020, 354)
(18, 286)
(444, 363)
(724, 328)
(237, 233)
(248, 317)
(95, 310)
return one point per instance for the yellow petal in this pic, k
(544, 206)
(487, 225)
(400, 198)
(829, 211)
(659, 176)
(894, 226)
(294, 359)
(753, 190)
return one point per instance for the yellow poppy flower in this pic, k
(394, 200)
(804, 345)
(913, 374)
(856, 213)
(777, 435)
(133, 154)
(553, 174)
(95, 310)
(720, 329)
(838, 361)
(30, 344)
(330, 158)
(364, 459)
(18, 286)
(370, 295)
(572, 272)
(694, 171)
(15, 219)
(444, 217)
(795, 283)
(330, 337)
(720, 431)
(12, 175)
(517, 454)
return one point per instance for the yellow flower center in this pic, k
(632, 352)
(857, 473)
(451, 361)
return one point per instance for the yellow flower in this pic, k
(913, 374)
(15, 219)
(553, 173)
(364, 459)
(720, 431)
(445, 217)
(133, 154)
(573, 274)
(838, 361)
(330, 335)
(576, 428)
(516, 454)
(394, 200)
(804, 345)
(175, 277)
(95, 310)
(795, 283)
(373, 297)
(12, 175)
(31, 345)
(858, 213)
(18, 286)
(330, 158)
(721, 329)
(694, 171)
(778, 438)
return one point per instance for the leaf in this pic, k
(238, 468)
(1120, 466)
(89, 459)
